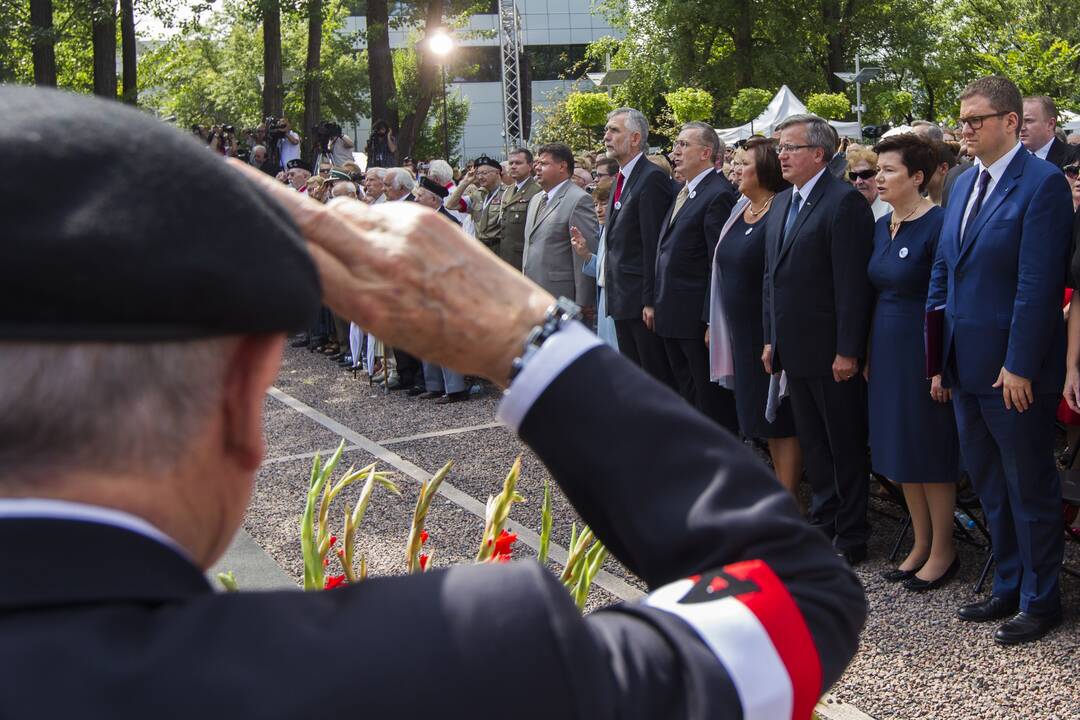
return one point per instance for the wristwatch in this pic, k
(561, 312)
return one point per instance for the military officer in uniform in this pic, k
(515, 205)
(131, 429)
(480, 195)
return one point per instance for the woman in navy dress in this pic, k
(738, 269)
(913, 438)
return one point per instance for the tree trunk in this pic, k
(43, 42)
(744, 45)
(428, 80)
(312, 79)
(129, 54)
(833, 26)
(103, 34)
(381, 64)
(273, 92)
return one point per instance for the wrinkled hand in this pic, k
(939, 393)
(648, 316)
(1072, 388)
(766, 359)
(416, 281)
(844, 368)
(577, 241)
(706, 336)
(1015, 391)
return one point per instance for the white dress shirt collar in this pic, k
(692, 185)
(628, 168)
(805, 190)
(1042, 152)
(46, 508)
(555, 190)
(997, 169)
(518, 186)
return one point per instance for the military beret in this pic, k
(485, 160)
(297, 163)
(432, 186)
(149, 236)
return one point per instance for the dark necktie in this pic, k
(984, 182)
(792, 214)
(618, 189)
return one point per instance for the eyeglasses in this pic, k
(975, 122)
(789, 148)
(1071, 171)
(862, 174)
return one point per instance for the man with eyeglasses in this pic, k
(606, 167)
(817, 305)
(999, 275)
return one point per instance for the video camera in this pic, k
(274, 129)
(325, 131)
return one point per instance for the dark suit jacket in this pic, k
(631, 233)
(99, 622)
(684, 257)
(1061, 154)
(817, 297)
(1002, 290)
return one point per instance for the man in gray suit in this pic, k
(549, 259)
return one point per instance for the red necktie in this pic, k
(618, 188)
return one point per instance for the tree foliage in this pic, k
(831, 106)
(689, 104)
(749, 103)
(588, 109)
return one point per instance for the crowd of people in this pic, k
(897, 308)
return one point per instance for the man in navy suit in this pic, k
(817, 305)
(688, 237)
(639, 201)
(1000, 273)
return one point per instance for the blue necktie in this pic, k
(984, 182)
(792, 213)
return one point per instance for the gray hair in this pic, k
(378, 172)
(400, 179)
(635, 122)
(104, 407)
(709, 138)
(251, 157)
(819, 133)
(933, 132)
(440, 171)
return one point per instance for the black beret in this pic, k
(149, 236)
(485, 160)
(432, 186)
(298, 163)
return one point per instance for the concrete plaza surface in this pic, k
(916, 659)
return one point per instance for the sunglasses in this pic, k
(1072, 171)
(861, 175)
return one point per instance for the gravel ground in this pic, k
(916, 659)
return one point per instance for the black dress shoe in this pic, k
(414, 391)
(453, 397)
(993, 608)
(853, 555)
(1026, 627)
(300, 342)
(917, 584)
(898, 575)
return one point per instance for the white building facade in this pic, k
(554, 35)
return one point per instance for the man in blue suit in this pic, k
(1000, 273)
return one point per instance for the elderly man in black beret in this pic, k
(431, 194)
(131, 429)
(297, 172)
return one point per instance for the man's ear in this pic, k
(252, 368)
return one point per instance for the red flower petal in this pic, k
(423, 536)
(334, 581)
(333, 539)
(423, 561)
(504, 545)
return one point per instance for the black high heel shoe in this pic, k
(897, 575)
(917, 584)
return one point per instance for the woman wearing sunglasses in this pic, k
(862, 169)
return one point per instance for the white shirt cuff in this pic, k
(554, 356)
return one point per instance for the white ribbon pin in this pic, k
(618, 205)
(903, 253)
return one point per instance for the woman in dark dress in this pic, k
(913, 439)
(735, 332)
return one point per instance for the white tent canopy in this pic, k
(1069, 120)
(780, 108)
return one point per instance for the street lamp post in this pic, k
(442, 44)
(858, 77)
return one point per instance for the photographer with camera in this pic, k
(331, 146)
(284, 141)
(222, 140)
(381, 148)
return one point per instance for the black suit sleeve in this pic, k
(852, 235)
(715, 218)
(654, 199)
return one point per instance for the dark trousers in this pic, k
(831, 422)
(1009, 456)
(341, 332)
(410, 371)
(689, 361)
(645, 349)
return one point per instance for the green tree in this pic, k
(1037, 64)
(689, 104)
(556, 125)
(589, 109)
(894, 105)
(831, 106)
(749, 103)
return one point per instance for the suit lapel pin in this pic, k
(693, 194)
(903, 253)
(618, 205)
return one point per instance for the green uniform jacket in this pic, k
(486, 219)
(515, 203)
